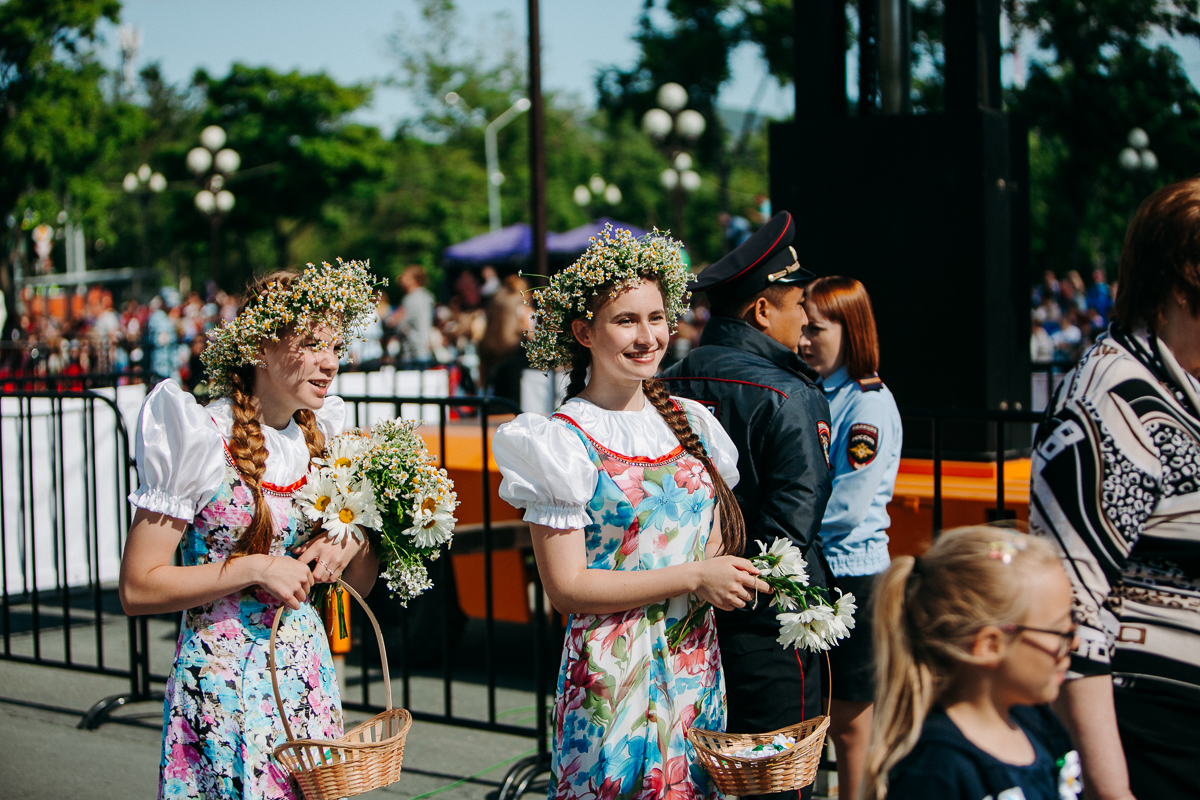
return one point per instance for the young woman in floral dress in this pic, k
(634, 527)
(218, 481)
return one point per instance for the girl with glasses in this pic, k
(973, 640)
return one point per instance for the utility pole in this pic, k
(537, 146)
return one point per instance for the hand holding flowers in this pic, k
(385, 483)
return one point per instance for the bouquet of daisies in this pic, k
(808, 620)
(386, 483)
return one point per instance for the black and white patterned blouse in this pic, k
(1116, 484)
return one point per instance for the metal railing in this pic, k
(65, 471)
(996, 425)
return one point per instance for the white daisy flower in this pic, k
(343, 450)
(844, 608)
(783, 560)
(810, 629)
(370, 514)
(317, 493)
(432, 529)
(343, 516)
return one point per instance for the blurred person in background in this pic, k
(416, 314)
(1099, 296)
(840, 343)
(1115, 489)
(502, 359)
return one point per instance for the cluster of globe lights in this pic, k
(597, 187)
(1138, 156)
(214, 198)
(688, 124)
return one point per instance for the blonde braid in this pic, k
(313, 437)
(733, 526)
(249, 451)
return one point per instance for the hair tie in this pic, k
(1003, 551)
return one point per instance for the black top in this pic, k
(769, 403)
(945, 765)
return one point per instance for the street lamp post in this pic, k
(213, 164)
(1138, 160)
(494, 176)
(673, 117)
(598, 188)
(144, 184)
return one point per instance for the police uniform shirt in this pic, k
(865, 451)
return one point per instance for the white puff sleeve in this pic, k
(546, 471)
(721, 448)
(180, 454)
(331, 417)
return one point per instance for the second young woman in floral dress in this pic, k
(634, 527)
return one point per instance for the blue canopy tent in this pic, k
(512, 245)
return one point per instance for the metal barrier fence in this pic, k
(1001, 423)
(65, 471)
(66, 468)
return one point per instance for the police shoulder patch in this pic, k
(871, 384)
(862, 444)
(824, 436)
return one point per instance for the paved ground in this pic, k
(43, 756)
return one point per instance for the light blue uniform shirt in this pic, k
(865, 451)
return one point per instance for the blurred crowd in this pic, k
(475, 330)
(1067, 315)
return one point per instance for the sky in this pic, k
(349, 40)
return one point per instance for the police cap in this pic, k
(765, 259)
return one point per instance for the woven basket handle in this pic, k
(387, 678)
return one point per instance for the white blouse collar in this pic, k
(642, 433)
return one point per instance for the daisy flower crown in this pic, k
(341, 296)
(614, 258)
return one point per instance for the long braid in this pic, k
(249, 451)
(733, 527)
(313, 437)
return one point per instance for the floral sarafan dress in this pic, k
(221, 720)
(628, 687)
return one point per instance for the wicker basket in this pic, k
(366, 758)
(792, 769)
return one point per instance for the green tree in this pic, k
(56, 125)
(298, 151)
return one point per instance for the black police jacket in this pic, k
(769, 402)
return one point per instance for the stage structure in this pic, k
(929, 211)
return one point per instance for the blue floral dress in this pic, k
(626, 697)
(221, 721)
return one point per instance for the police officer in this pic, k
(840, 342)
(747, 372)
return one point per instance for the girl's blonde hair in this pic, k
(927, 613)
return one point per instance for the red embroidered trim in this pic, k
(635, 461)
(724, 380)
(269, 488)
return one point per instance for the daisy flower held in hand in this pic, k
(316, 494)
(344, 514)
(782, 560)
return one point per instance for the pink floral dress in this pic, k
(626, 697)
(221, 719)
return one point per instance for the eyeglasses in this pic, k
(1065, 638)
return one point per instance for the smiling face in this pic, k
(627, 336)
(821, 343)
(297, 370)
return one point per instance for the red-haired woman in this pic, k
(840, 343)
